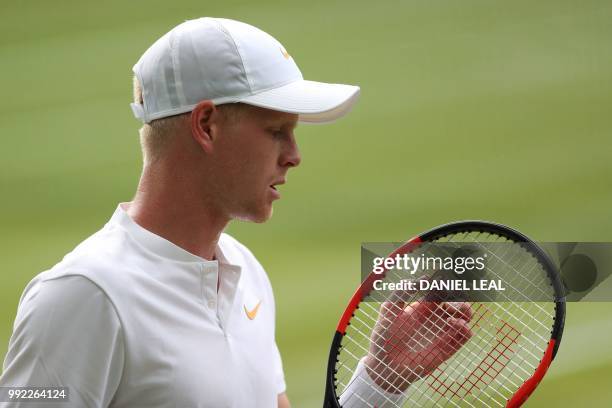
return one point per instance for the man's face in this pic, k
(254, 151)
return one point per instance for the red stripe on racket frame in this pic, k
(367, 284)
(530, 385)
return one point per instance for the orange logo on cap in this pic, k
(285, 53)
(251, 314)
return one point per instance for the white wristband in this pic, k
(362, 391)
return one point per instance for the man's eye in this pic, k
(278, 134)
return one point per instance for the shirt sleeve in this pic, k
(279, 375)
(67, 333)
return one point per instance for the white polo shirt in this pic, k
(128, 319)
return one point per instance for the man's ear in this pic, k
(203, 119)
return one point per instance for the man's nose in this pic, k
(291, 153)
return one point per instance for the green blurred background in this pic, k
(473, 109)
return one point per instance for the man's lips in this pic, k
(273, 188)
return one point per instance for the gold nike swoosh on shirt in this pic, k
(251, 314)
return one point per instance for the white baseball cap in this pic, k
(228, 61)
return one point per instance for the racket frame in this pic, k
(527, 388)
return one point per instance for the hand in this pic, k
(410, 342)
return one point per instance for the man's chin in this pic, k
(264, 217)
(259, 217)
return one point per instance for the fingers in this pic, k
(396, 302)
(458, 334)
(416, 365)
(424, 312)
(389, 311)
(402, 296)
(447, 344)
(459, 310)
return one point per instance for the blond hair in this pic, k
(154, 136)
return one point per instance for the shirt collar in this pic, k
(159, 245)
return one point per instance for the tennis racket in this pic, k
(426, 348)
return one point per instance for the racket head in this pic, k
(512, 342)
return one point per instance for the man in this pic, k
(160, 308)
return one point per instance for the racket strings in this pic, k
(363, 349)
(476, 354)
(507, 310)
(494, 376)
(435, 334)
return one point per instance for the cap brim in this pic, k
(314, 102)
